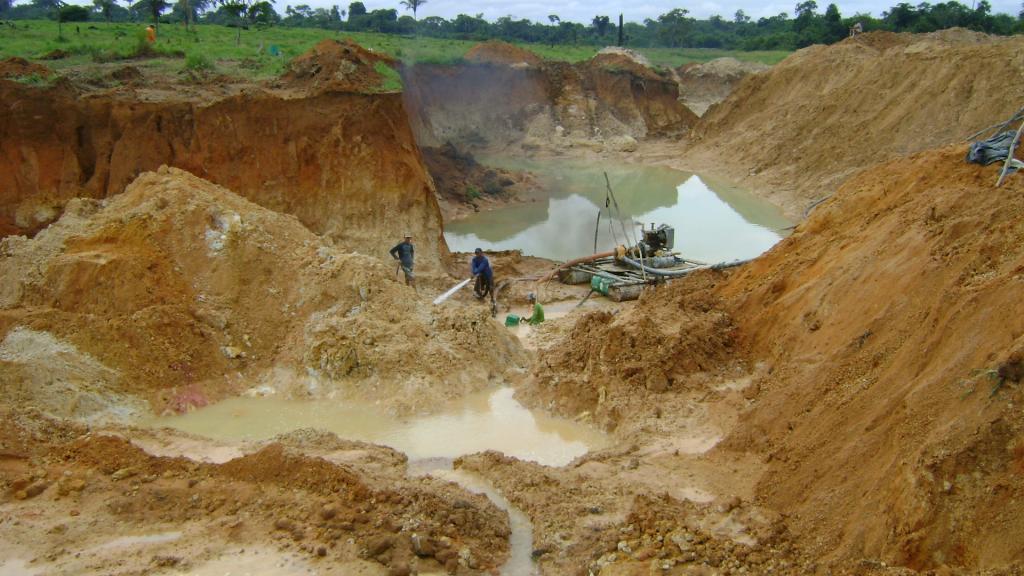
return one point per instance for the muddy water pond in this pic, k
(714, 221)
(489, 421)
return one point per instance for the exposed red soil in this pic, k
(254, 140)
(336, 66)
(16, 67)
(498, 52)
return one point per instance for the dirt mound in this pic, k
(625, 61)
(616, 365)
(498, 52)
(288, 508)
(703, 85)
(826, 112)
(179, 291)
(16, 67)
(337, 66)
(891, 320)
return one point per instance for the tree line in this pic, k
(674, 29)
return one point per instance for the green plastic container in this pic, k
(511, 320)
(601, 284)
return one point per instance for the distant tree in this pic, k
(412, 5)
(356, 9)
(673, 26)
(740, 17)
(600, 24)
(74, 13)
(554, 19)
(154, 8)
(5, 5)
(105, 8)
(243, 11)
(189, 10)
(804, 15)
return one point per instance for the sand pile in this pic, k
(498, 52)
(179, 292)
(702, 85)
(337, 67)
(890, 320)
(616, 366)
(625, 61)
(827, 112)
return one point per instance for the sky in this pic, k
(637, 11)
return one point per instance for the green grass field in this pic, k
(88, 42)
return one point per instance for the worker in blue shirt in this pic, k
(404, 253)
(480, 267)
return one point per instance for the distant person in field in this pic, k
(480, 267)
(150, 34)
(403, 252)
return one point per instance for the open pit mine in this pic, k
(783, 324)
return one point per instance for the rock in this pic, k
(399, 568)
(123, 473)
(284, 524)
(328, 511)
(379, 544)
(657, 381)
(32, 490)
(321, 551)
(423, 547)
(623, 143)
(232, 352)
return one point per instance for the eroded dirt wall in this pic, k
(597, 104)
(345, 164)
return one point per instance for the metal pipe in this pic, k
(679, 273)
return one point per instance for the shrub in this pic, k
(198, 62)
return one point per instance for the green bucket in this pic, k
(601, 284)
(511, 320)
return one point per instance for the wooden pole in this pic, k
(1009, 156)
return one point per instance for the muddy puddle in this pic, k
(489, 421)
(714, 221)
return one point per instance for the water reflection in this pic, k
(713, 221)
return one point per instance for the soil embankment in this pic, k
(504, 96)
(326, 144)
(892, 322)
(180, 292)
(800, 129)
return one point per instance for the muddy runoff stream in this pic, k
(714, 221)
(493, 420)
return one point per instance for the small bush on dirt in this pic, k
(33, 80)
(472, 193)
(198, 62)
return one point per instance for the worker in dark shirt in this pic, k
(403, 252)
(480, 267)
